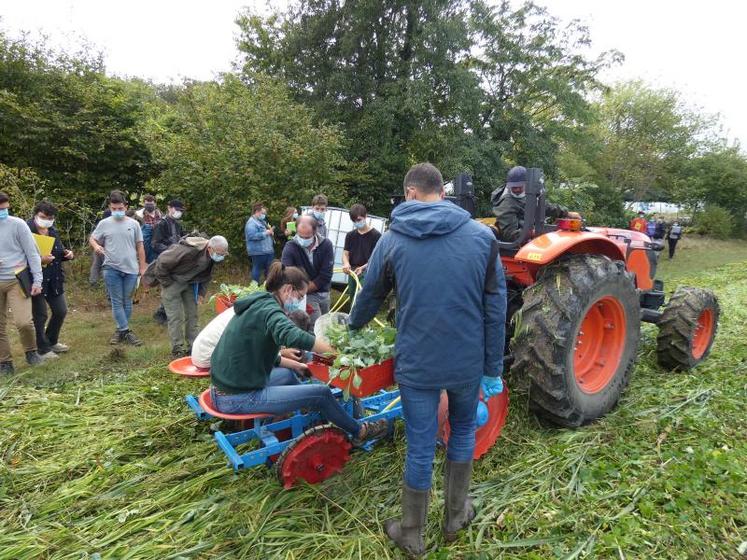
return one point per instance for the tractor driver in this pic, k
(509, 202)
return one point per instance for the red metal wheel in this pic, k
(487, 434)
(317, 454)
(703, 333)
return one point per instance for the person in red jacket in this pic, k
(639, 224)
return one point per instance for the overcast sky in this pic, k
(693, 46)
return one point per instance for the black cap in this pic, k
(516, 176)
(176, 203)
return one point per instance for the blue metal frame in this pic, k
(264, 430)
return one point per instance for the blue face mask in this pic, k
(118, 214)
(318, 216)
(292, 305)
(304, 242)
(359, 225)
(216, 257)
(295, 216)
(262, 216)
(4, 214)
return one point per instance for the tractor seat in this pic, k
(184, 366)
(206, 402)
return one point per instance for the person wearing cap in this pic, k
(165, 234)
(509, 203)
(639, 223)
(183, 272)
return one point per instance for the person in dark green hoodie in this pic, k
(243, 370)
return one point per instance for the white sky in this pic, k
(691, 45)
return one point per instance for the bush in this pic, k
(715, 221)
(599, 206)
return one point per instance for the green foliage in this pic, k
(357, 350)
(715, 221)
(235, 291)
(598, 205)
(223, 146)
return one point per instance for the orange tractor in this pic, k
(576, 299)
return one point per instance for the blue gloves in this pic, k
(491, 386)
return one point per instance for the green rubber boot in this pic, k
(407, 533)
(458, 508)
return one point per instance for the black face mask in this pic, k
(150, 207)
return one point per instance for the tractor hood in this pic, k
(420, 220)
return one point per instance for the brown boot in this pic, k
(407, 533)
(458, 508)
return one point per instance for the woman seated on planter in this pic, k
(243, 373)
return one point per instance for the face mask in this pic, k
(318, 216)
(292, 305)
(359, 225)
(118, 214)
(262, 216)
(176, 214)
(520, 194)
(4, 214)
(295, 216)
(42, 223)
(216, 257)
(150, 207)
(304, 242)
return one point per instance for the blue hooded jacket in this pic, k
(451, 295)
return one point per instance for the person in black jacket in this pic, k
(314, 254)
(166, 233)
(53, 285)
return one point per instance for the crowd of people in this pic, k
(658, 230)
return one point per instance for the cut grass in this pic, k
(102, 457)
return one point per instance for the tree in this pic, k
(224, 145)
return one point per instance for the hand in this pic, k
(270, 232)
(346, 268)
(291, 353)
(299, 368)
(360, 270)
(68, 255)
(36, 290)
(574, 215)
(46, 259)
(200, 300)
(142, 269)
(100, 250)
(491, 386)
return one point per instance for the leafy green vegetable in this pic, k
(357, 350)
(236, 291)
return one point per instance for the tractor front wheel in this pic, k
(687, 328)
(577, 337)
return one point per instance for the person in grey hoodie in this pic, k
(20, 278)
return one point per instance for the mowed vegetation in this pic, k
(99, 457)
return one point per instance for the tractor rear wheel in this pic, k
(687, 328)
(577, 338)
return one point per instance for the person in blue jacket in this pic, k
(313, 253)
(259, 241)
(451, 309)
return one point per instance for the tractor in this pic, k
(576, 298)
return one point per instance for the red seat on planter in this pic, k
(185, 367)
(206, 402)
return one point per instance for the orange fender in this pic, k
(550, 246)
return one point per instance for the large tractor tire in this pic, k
(577, 338)
(687, 328)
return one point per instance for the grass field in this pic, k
(99, 458)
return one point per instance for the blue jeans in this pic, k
(284, 393)
(120, 286)
(150, 254)
(261, 265)
(420, 409)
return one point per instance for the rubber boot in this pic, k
(458, 508)
(407, 533)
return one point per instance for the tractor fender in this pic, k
(548, 247)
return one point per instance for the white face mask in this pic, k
(42, 223)
(176, 214)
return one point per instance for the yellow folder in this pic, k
(45, 244)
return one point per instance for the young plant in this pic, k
(235, 291)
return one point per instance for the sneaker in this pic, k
(178, 352)
(6, 368)
(372, 430)
(48, 356)
(129, 337)
(33, 358)
(60, 348)
(117, 337)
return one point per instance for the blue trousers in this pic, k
(261, 265)
(284, 393)
(420, 409)
(120, 286)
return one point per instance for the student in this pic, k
(17, 251)
(318, 210)
(243, 373)
(673, 237)
(359, 245)
(314, 254)
(149, 216)
(53, 285)
(166, 233)
(120, 240)
(259, 241)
